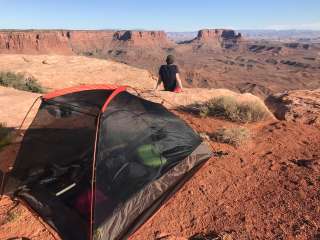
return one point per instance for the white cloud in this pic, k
(304, 26)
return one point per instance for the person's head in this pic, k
(170, 59)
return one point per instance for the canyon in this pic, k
(76, 42)
(215, 58)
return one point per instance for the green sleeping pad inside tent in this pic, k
(150, 156)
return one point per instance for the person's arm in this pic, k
(179, 83)
(158, 83)
(179, 80)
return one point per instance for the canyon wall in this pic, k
(143, 38)
(90, 41)
(76, 42)
(31, 42)
(224, 38)
(99, 41)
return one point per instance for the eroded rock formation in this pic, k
(35, 42)
(297, 106)
(77, 42)
(143, 38)
(224, 38)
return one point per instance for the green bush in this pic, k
(4, 136)
(228, 107)
(19, 81)
(233, 136)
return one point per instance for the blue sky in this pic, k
(174, 15)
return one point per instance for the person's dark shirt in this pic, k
(168, 76)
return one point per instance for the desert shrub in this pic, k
(252, 111)
(204, 111)
(233, 136)
(228, 107)
(19, 81)
(4, 136)
(222, 106)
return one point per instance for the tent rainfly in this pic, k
(97, 161)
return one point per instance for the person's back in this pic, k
(169, 76)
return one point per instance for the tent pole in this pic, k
(24, 119)
(93, 178)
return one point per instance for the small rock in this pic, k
(227, 237)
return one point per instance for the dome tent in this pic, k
(97, 161)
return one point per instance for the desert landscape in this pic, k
(254, 96)
(215, 58)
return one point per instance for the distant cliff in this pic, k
(143, 38)
(35, 42)
(75, 42)
(224, 38)
(100, 41)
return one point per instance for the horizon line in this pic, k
(137, 29)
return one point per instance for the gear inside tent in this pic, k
(98, 161)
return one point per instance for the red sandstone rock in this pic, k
(75, 42)
(296, 106)
(224, 38)
(143, 38)
(90, 41)
(34, 42)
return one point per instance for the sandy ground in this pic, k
(55, 71)
(19, 221)
(14, 106)
(268, 188)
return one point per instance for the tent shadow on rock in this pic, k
(97, 161)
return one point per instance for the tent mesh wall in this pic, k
(139, 141)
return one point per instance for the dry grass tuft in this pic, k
(233, 136)
(228, 107)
